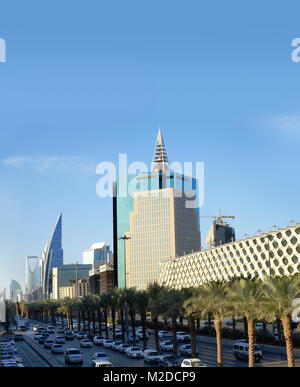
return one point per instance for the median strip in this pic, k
(44, 356)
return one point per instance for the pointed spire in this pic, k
(160, 161)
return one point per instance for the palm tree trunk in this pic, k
(218, 327)
(94, 321)
(233, 324)
(132, 318)
(155, 324)
(198, 324)
(251, 337)
(245, 326)
(79, 321)
(83, 319)
(105, 320)
(174, 329)
(122, 324)
(288, 335)
(278, 323)
(193, 336)
(143, 320)
(68, 319)
(113, 318)
(89, 321)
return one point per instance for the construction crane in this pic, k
(219, 218)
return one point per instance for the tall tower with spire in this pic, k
(160, 161)
(152, 222)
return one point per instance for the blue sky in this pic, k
(85, 81)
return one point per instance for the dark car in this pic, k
(69, 336)
(169, 361)
(42, 340)
(19, 337)
(48, 343)
(22, 328)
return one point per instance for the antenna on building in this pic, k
(160, 161)
(292, 222)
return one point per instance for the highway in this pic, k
(207, 353)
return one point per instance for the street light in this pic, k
(125, 238)
(76, 279)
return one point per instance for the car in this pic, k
(139, 334)
(86, 343)
(193, 363)
(35, 328)
(166, 345)
(42, 340)
(51, 330)
(186, 349)
(22, 328)
(37, 336)
(19, 337)
(57, 349)
(134, 352)
(123, 347)
(103, 363)
(107, 343)
(169, 361)
(99, 357)
(60, 340)
(259, 326)
(115, 345)
(98, 340)
(183, 337)
(11, 363)
(69, 336)
(81, 335)
(241, 350)
(60, 331)
(73, 356)
(151, 356)
(164, 334)
(130, 338)
(48, 344)
(45, 333)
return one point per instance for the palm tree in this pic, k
(66, 307)
(212, 301)
(130, 296)
(172, 301)
(121, 297)
(279, 293)
(142, 306)
(245, 296)
(192, 310)
(113, 304)
(154, 290)
(104, 302)
(52, 306)
(88, 308)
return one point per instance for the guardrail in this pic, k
(42, 354)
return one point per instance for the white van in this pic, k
(241, 350)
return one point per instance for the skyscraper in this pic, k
(52, 256)
(154, 217)
(15, 290)
(32, 274)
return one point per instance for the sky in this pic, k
(85, 81)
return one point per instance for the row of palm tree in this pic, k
(253, 299)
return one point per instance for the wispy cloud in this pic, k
(287, 124)
(47, 163)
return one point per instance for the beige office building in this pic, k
(160, 227)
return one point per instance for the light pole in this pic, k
(125, 238)
(76, 279)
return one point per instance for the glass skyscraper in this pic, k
(52, 256)
(154, 217)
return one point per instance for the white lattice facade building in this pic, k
(275, 253)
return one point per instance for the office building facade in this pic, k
(150, 210)
(66, 275)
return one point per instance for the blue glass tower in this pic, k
(52, 257)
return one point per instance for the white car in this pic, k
(166, 345)
(37, 336)
(139, 334)
(151, 356)
(35, 328)
(115, 345)
(81, 335)
(11, 363)
(193, 363)
(183, 337)
(86, 343)
(134, 352)
(99, 357)
(186, 349)
(107, 343)
(163, 334)
(103, 363)
(98, 340)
